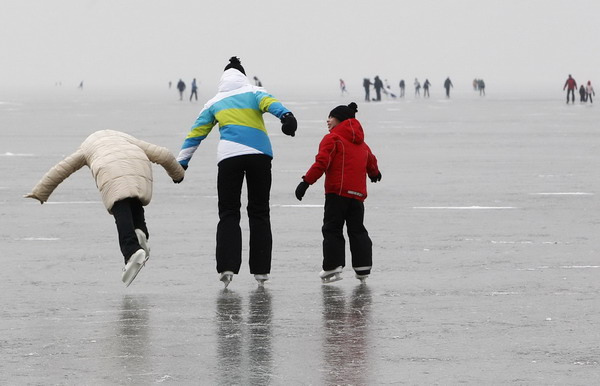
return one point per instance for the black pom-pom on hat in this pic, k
(234, 62)
(341, 113)
(354, 107)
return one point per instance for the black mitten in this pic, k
(375, 178)
(289, 124)
(301, 190)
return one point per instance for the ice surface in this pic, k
(481, 296)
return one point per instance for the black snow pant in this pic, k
(367, 95)
(256, 168)
(340, 210)
(129, 216)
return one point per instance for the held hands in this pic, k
(301, 190)
(289, 124)
(376, 178)
(184, 167)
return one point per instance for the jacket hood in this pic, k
(351, 130)
(232, 79)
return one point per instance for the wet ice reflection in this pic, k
(133, 334)
(259, 350)
(346, 340)
(244, 338)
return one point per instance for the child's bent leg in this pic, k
(128, 241)
(139, 219)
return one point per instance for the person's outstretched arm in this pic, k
(57, 174)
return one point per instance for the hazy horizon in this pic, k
(307, 45)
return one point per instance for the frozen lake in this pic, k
(486, 251)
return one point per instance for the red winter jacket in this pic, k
(346, 160)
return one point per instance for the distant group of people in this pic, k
(121, 166)
(585, 92)
(181, 87)
(380, 88)
(479, 85)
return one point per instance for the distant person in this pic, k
(481, 87)
(475, 84)
(170, 84)
(582, 94)
(426, 88)
(447, 85)
(570, 85)
(181, 88)
(346, 160)
(81, 85)
(590, 91)
(343, 87)
(257, 82)
(402, 87)
(378, 86)
(367, 86)
(244, 153)
(121, 166)
(194, 90)
(417, 88)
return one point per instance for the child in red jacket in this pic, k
(346, 160)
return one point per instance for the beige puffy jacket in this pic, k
(119, 163)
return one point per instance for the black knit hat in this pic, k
(341, 113)
(234, 62)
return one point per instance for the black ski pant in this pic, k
(129, 216)
(340, 210)
(256, 168)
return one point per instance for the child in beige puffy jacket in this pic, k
(121, 166)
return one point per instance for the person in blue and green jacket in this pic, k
(244, 150)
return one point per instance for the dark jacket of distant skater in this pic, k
(447, 85)
(571, 86)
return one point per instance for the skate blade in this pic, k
(131, 273)
(331, 279)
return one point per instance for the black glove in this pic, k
(301, 190)
(375, 178)
(289, 124)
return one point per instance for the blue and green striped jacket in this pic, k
(238, 108)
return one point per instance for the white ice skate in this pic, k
(331, 276)
(134, 265)
(362, 278)
(141, 236)
(261, 279)
(226, 277)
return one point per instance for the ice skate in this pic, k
(141, 236)
(134, 265)
(261, 279)
(226, 277)
(362, 278)
(331, 276)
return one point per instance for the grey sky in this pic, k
(308, 43)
